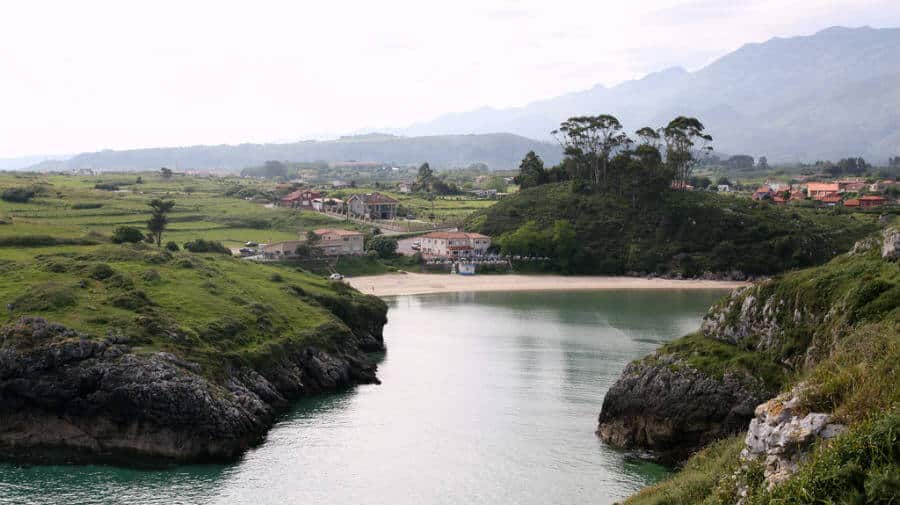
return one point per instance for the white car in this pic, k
(335, 277)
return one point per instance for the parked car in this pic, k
(416, 246)
(246, 251)
(251, 244)
(335, 276)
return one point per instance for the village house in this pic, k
(820, 190)
(333, 242)
(455, 245)
(797, 195)
(852, 186)
(852, 203)
(301, 198)
(373, 206)
(763, 193)
(330, 204)
(831, 199)
(277, 250)
(870, 201)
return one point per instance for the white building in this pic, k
(455, 244)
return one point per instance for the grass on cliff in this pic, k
(850, 362)
(681, 232)
(209, 308)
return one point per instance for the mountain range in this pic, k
(825, 96)
(497, 150)
(829, 95)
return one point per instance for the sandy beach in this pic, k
(415, 284)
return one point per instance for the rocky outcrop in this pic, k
(663, 405)
(67, 397)
(781, 434)
(890, 249)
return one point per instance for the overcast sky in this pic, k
(89, 75)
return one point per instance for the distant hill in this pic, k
(829, 95)
(497, 150)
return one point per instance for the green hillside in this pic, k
(687, 233)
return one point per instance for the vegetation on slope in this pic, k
(838, 331)
(206, 308)
(683, 233)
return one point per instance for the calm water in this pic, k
(487, 398)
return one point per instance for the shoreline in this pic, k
(399, 284)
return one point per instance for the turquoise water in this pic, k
(486, 398)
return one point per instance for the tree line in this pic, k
(599, 156)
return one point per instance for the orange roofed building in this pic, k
(455, 244)
(820, 190)
(869, 201)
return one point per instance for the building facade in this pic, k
(455, 245)
(339, 242)
(373, 206)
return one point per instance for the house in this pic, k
(723, 188)
(301, 198)
(870, 201)
(778, 199)
(277, 250)
(373, 206)
(484, 193)
(852, 186)
(852, 203)
(763, 193)
(404, 187)
(797, 195)
(455, 244)
(333, 242)
(323, 204)
(831, 199)
(819, 190)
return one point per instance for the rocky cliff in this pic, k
(705, 386)
(66, 396)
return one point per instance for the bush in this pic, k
(172, 246)
(383, 246)
(42, 240)
(17, 195)
(83, 206)
(49, 296)
(101, 271)
(201, 246)
(106, 186)
(276, 277)
(128, 234)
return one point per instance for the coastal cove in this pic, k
(486, 397)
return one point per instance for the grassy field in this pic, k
(70, 207)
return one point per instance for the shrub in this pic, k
(42, 240)
(172, 246)
(150, 276)
(276, 277)
(128, 234)
(101, 271)
(201, 246)
(83, 206)
(17, 195)
(106, 186)
(384, 247)
(49, 296)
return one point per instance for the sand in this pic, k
(415, 284)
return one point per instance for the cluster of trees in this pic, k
(531, 239)
(844, 166)
(601, 157)
(427, 181)
(17, 195)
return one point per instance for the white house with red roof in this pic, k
(455, 244)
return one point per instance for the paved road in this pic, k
(404, 245)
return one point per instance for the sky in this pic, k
(92, 75)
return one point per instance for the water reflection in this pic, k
(486, 398)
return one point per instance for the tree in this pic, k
(312, 238)
(382, 245)
(139, 180)
(741, 162)
(128, 234)
(158, 218)
(686, 144)
(565, 243)
(531, 171)
(591, 140)
(425, 176)
(165, 172)
(762, 163)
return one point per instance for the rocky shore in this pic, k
(68, 397)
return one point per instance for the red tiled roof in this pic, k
(446, 235)
(332, 231)
(823, 186)
(295, 195)
(873, 198)
(831, 198)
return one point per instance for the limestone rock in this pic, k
(665, 406)
(781, 434)
(890, 250)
